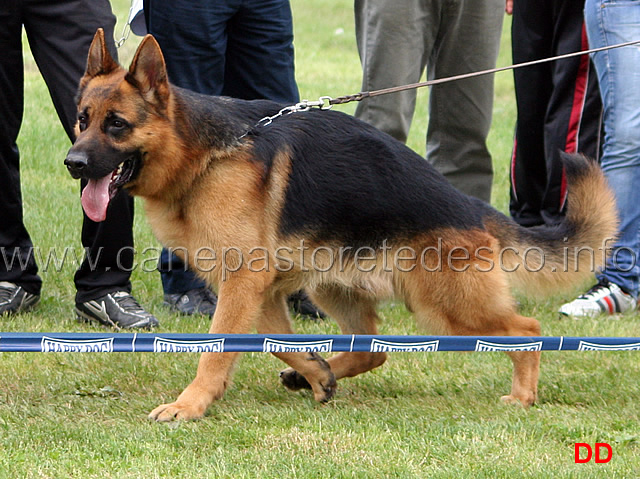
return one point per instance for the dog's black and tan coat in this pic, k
(322, 201)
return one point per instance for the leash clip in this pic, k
(324, 103)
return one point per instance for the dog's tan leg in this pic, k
(239, 305)
(526, 364)
(476, 303)
(313, 369)
(355, 314)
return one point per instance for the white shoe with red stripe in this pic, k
(603, 298)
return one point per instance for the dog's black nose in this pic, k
(76, 162)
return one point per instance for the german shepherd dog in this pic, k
(321, 201)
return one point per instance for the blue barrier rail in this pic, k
(179, 343)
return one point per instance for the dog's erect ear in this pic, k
(148, 72)
(100, 61)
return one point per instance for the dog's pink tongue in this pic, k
(95, 198)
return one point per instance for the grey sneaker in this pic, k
(604, 298)
(14, 299)
(118, 310)
(200, 300)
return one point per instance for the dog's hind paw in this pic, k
(294, 381)
(510, 399)
(175, 412)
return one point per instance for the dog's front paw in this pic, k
(175, 412)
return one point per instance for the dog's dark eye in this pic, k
(82, 122)
(116, 126)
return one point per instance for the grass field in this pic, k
(420, 415)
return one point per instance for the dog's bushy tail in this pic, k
(545, 260)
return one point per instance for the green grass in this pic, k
(420, 415)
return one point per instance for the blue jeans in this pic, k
(609, 22)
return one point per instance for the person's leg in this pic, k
(618, 75)
(531, 38)
(60, 34)
(260, 55)
(18, 268)
(17, 264)
(460, 112)
(574, 112)
(559, 107)
(394, 39)
(193, 39)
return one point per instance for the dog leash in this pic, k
(327, 102)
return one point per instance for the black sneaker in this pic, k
(302, 305)
(200, 300)
(118, 310)
(14, 299)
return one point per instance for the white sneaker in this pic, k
(603, 298)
